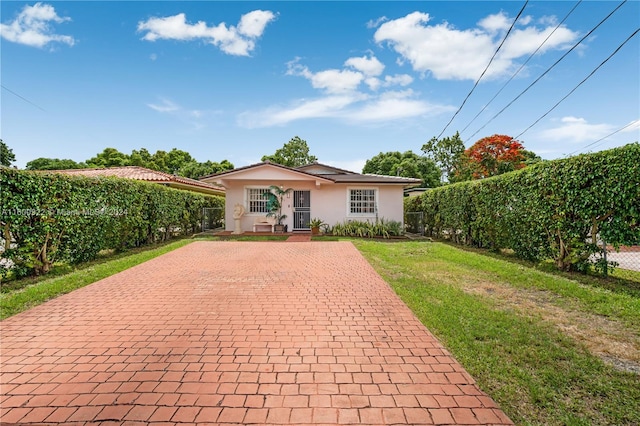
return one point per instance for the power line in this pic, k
(485, 70)
(606, 137)
(23, 98)
(549, 69)
(522, 66)
(579, 84)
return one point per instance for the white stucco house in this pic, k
(319, 191)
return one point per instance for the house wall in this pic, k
(329, 202)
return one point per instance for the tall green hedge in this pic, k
(48, 218)
(554, 209)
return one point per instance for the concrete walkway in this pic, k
(235, 332)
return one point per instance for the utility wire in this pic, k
(522, 66)
(23, 98)
(606, 137)
(485, 70)
(549, 69)
(579, 84)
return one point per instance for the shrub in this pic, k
(49, 218)
(554, 209)
(365, 229)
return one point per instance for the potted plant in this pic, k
(315, 225)
(275, 197)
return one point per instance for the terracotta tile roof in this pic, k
(141, 173)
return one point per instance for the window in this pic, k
(256, 200)
(362, 201)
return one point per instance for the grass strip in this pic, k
(537, 374)
(40, 291)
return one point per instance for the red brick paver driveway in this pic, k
(235, 332)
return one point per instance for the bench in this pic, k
(263, 225)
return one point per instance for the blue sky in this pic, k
(236, 80)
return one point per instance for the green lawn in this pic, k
(503, 321)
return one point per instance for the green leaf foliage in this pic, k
(43, 163)
(294, 153)
(550, 210)
(49, 218)
(6, 154)
(381, 228)
(405, 164)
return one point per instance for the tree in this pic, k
(531, 157)
(53, 164)
(142, 158)
(447, 153)
(407, 164)
(194, 170)
(294, 153)
(495, 155)
(110, 157)
(6, 154)
(176, 159)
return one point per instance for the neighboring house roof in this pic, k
(323, 172)
(141, 173)
(324, 169)
(415, 191)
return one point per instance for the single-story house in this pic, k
(318, 191)
(148, 175)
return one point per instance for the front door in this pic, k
(301, 210)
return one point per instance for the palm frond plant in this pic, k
(275, 198)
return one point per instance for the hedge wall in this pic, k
(48, 218)
(554, 209)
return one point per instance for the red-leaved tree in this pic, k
(494, 155)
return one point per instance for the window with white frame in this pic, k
(256, 200)
(362, 201)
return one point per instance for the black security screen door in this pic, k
(301, 210)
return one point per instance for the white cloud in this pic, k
(548, 20)
(441, 49)
(232, 40)
(368, 66)
(392, 106)
(523, 42)
(344, 97)
(398, 79)
(253, 23)
(634, 127)
(331, 81)
(576, 130)
(328, 106)
(375, 23)
(449, 53)
(354, 108)
(196, 119)
(165, 106)
(525, 20)
(32, 27)
(495, 23)
(336, 81)
(373, 83)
